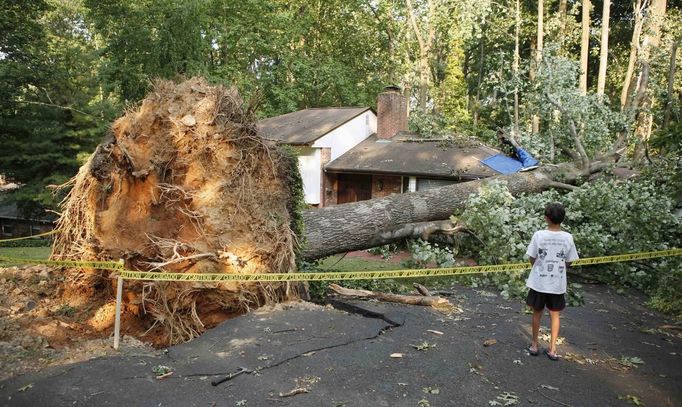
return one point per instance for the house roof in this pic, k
(11, 211)
(403, 155)
(305, 126)
(8, 211)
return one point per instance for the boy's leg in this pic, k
(554, 316)
(537, 316)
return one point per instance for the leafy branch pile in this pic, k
(605, 217)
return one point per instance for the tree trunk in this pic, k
(585, 46)
(651, 40)
(365, 224)
(515, 66)
(671, 80)
(634, 45)
(424, 73)
(425, 45)
(604, 48)
(538, 55)
(479, 80)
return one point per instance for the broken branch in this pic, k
(429, 301)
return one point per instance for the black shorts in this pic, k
(538, 300)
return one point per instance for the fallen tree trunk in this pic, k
(428, 301)
(365, 224)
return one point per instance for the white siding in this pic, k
(347, 136)
(339, 141)
(310, 166)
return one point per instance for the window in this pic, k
(34, 229)
(7, 230)
(425, 184)
(409, 184)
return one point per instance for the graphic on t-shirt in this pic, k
(540, 261)
(551, 250)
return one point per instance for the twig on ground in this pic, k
(551, 399)
(298, 390)
(422, 289)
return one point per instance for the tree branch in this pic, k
(415, 27)
(388, 32)
(572, 128)
(574, 156)
(28, 102)
(432, 26)
(561, 185)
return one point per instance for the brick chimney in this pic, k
(391, 112)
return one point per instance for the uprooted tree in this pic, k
(185, 184)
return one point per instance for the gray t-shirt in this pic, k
(551, 251)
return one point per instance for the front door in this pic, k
(354, 188)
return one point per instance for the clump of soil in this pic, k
(183, 184)
(37, 329)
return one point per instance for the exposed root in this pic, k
(184, 185)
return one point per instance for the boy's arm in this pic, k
(532, 251)
(572, 254)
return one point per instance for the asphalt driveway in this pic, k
(616, 353)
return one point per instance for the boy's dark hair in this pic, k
(555, 212)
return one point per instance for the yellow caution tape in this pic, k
(14, 239)
(330, 276)
(102, 265)
(627, 257)
(375, 275)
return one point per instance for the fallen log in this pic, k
(375, 222)
(428, 301)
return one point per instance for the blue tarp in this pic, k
(502, 163)
(508, 165)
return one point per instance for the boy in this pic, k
(550, 252)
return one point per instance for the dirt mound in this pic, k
(183, 184)
(37, 329)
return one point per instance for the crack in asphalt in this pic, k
(339, 305)
(351, 309)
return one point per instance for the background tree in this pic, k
(52, 111)
(585, 45)
(70, 66)
(603, 47)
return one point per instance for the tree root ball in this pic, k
(184, 184)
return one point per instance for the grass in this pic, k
(346, 264)
(336, 263)
(33, 253)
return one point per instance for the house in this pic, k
(14, 224)
(318, 137)
(343, 160)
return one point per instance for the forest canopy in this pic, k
(69, 67)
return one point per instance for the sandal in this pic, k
(551, 356)
(531, 351)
